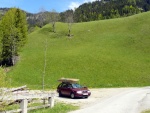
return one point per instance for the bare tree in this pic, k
(69, 20)
(53, 17)
(41, 17)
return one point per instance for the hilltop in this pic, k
(106, 53)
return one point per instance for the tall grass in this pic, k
(107, 53)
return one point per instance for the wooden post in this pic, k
(44, 102)
(51, 101)
(23, 106)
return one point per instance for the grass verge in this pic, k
(58, 108)
(147, 111)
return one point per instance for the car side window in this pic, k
(69, 86)
(64, 85)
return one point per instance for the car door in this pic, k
(64, 89)
(69, 89)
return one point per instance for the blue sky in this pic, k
(35, 6)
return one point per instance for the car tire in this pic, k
(72, 95)
(60, 95)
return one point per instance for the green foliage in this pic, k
(3, 83)
(21, 26)
(107, 53)
(13, 33)
(108, 9)
(2, 78)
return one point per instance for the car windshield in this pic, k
(76, 85)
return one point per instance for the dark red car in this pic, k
(73, 90)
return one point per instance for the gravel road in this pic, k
(112, 100)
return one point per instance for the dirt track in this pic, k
(103, 100)
(112, 100)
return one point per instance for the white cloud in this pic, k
(74, 5)
(85, 1)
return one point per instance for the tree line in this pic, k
(97, 10)
(108, 9)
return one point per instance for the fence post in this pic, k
(51, 101)
(44, 102)
(23, 105)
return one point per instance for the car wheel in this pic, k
(72, 95)
(60, 95)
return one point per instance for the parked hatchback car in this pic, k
(73, 90)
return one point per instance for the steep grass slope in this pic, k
(108, 53)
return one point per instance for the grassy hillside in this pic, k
(108, 53)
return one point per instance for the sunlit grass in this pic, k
(107, 53)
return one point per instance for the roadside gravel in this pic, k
(112, 100)
(102, 100)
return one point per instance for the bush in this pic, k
(3, 83)
(2, 78)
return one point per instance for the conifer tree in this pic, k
(13, 34)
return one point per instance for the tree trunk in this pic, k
(54, 27)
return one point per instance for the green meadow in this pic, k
(106, 53)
